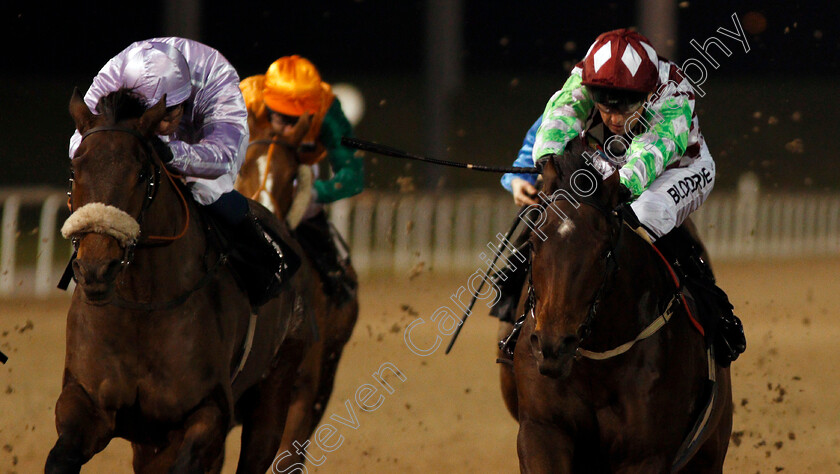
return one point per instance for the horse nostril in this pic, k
(535, 340)
(544, 345)
(111, 269)
(569, 344)
(78, 270)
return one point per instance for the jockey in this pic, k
(204, 137)
(637, 110)
(290, 89)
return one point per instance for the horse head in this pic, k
(276, 155)
(573, 257)
(113, 181)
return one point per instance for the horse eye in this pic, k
(141, 177)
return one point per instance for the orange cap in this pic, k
(293, 86)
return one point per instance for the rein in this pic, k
(152, 185)
(585, 329)
(262, 187)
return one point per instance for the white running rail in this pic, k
(400, 233)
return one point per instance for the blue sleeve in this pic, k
(525, 158)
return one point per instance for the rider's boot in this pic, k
(316, 237)
(262, 261)
(726, 328)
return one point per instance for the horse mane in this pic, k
(572, 161)
(122, 104)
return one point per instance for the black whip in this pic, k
(499, 251)
(389, 151)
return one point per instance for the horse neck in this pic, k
(283, 171)
(638, 292)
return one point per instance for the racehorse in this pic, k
(609, 374)
(288, 182)
(162, 346)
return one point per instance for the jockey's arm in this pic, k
(662, 144)
(221, 141)
(667, 195)
(675, 195)
(525, 159)
(521, 185)
(348, 169)
(564, 117)
(220, 151)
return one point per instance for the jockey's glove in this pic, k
(626, 213)
(163, 151)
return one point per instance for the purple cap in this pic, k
(155, 69)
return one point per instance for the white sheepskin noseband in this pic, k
(100, 218)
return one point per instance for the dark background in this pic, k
(771, 111)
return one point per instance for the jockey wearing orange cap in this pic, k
(290, 89)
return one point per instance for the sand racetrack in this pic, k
(448, 416)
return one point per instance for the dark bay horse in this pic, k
(289, 188)
(162, 347)
(609, 375)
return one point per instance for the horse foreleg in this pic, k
(299, 420)
(543, 448)
(83, 430)
(203, 442)
(264, 409)
(149, 459)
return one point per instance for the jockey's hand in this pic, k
(626, 213)
(163, 151)
(289, 132)
(524, 193)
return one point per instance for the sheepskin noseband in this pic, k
(100, 218)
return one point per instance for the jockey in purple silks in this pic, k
(204, 136)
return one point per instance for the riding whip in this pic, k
(499, 251)
(389, 151)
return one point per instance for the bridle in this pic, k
(585, 328)
(152, 180)
(152, 184)
(611, 264)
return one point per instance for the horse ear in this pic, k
(550, 175)
(152, 117)
(80, 112)
(616, 192)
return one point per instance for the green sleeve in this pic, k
(664, 142)
(348, 169)
(564, 117)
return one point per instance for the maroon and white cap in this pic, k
(621, 59)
